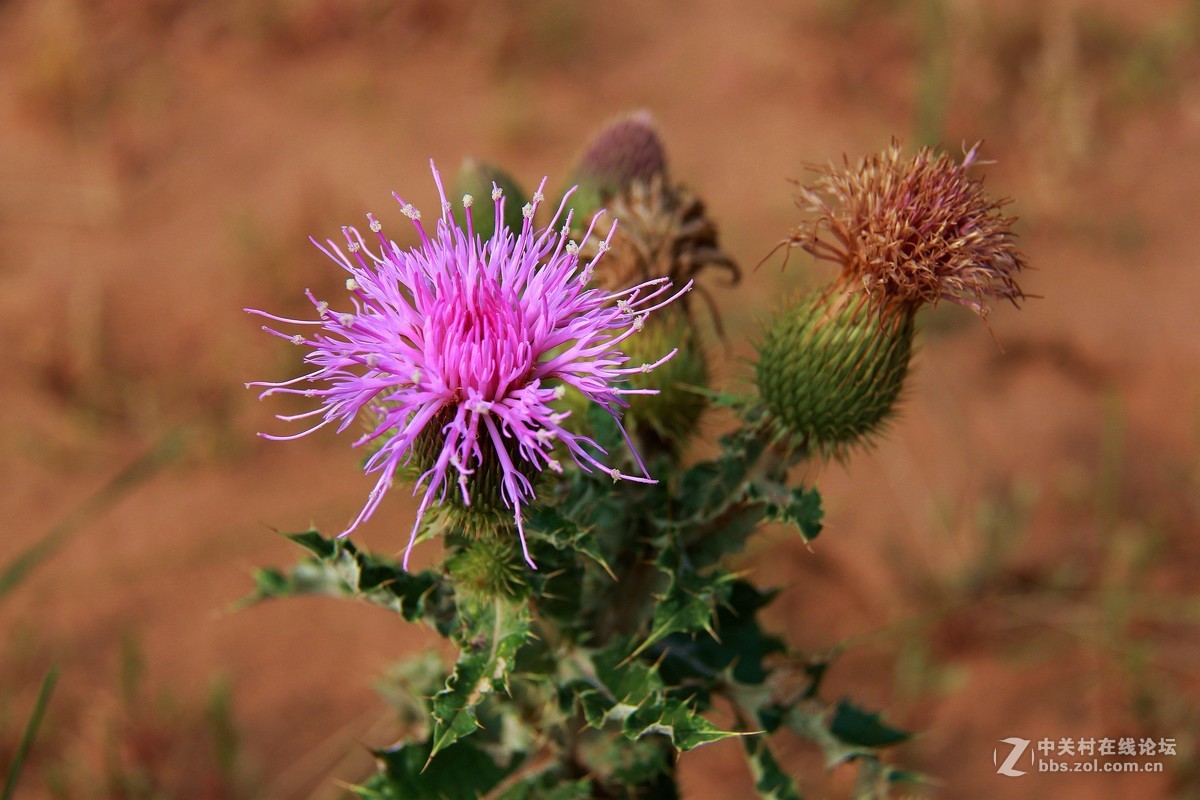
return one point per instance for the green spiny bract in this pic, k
(488, 567)
(831, 368)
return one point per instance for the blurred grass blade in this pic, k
(16, 571)
(35, 721)
(936, 73)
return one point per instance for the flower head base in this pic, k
(913, 231)
(458, 350)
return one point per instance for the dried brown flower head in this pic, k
(663, 228)
(663, 231)
(913, 230)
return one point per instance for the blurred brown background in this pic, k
(1018, 558)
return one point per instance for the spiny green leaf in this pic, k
(461, 772)
(632, 694)
(690, 601)
(815, 671)
(687, 608)
(714, 513)
(643, 766)
(809, 719)
(548, 787)
(454, 707)
(685, 726)
(549, 529)
(270, 582)
(595, 706)
(615, 686)
(690, 730)
(798, 506)
(493, 633)
(771, 782)
(855, 726)
(626, 681)
(738, 653)
(337, 568)
(726, 532)
(709, 486)
(851, 734)
(324, 549)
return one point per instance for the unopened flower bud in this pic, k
(476, 179)
(625, 151)
(671, 415)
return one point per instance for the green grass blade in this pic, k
(17, 570)
(31, 729)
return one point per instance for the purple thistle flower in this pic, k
(458, 349)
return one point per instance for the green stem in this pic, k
(497, 613)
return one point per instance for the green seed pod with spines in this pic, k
(831, 368)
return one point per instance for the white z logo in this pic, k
(1008, 767)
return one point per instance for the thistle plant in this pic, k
(539, 386)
